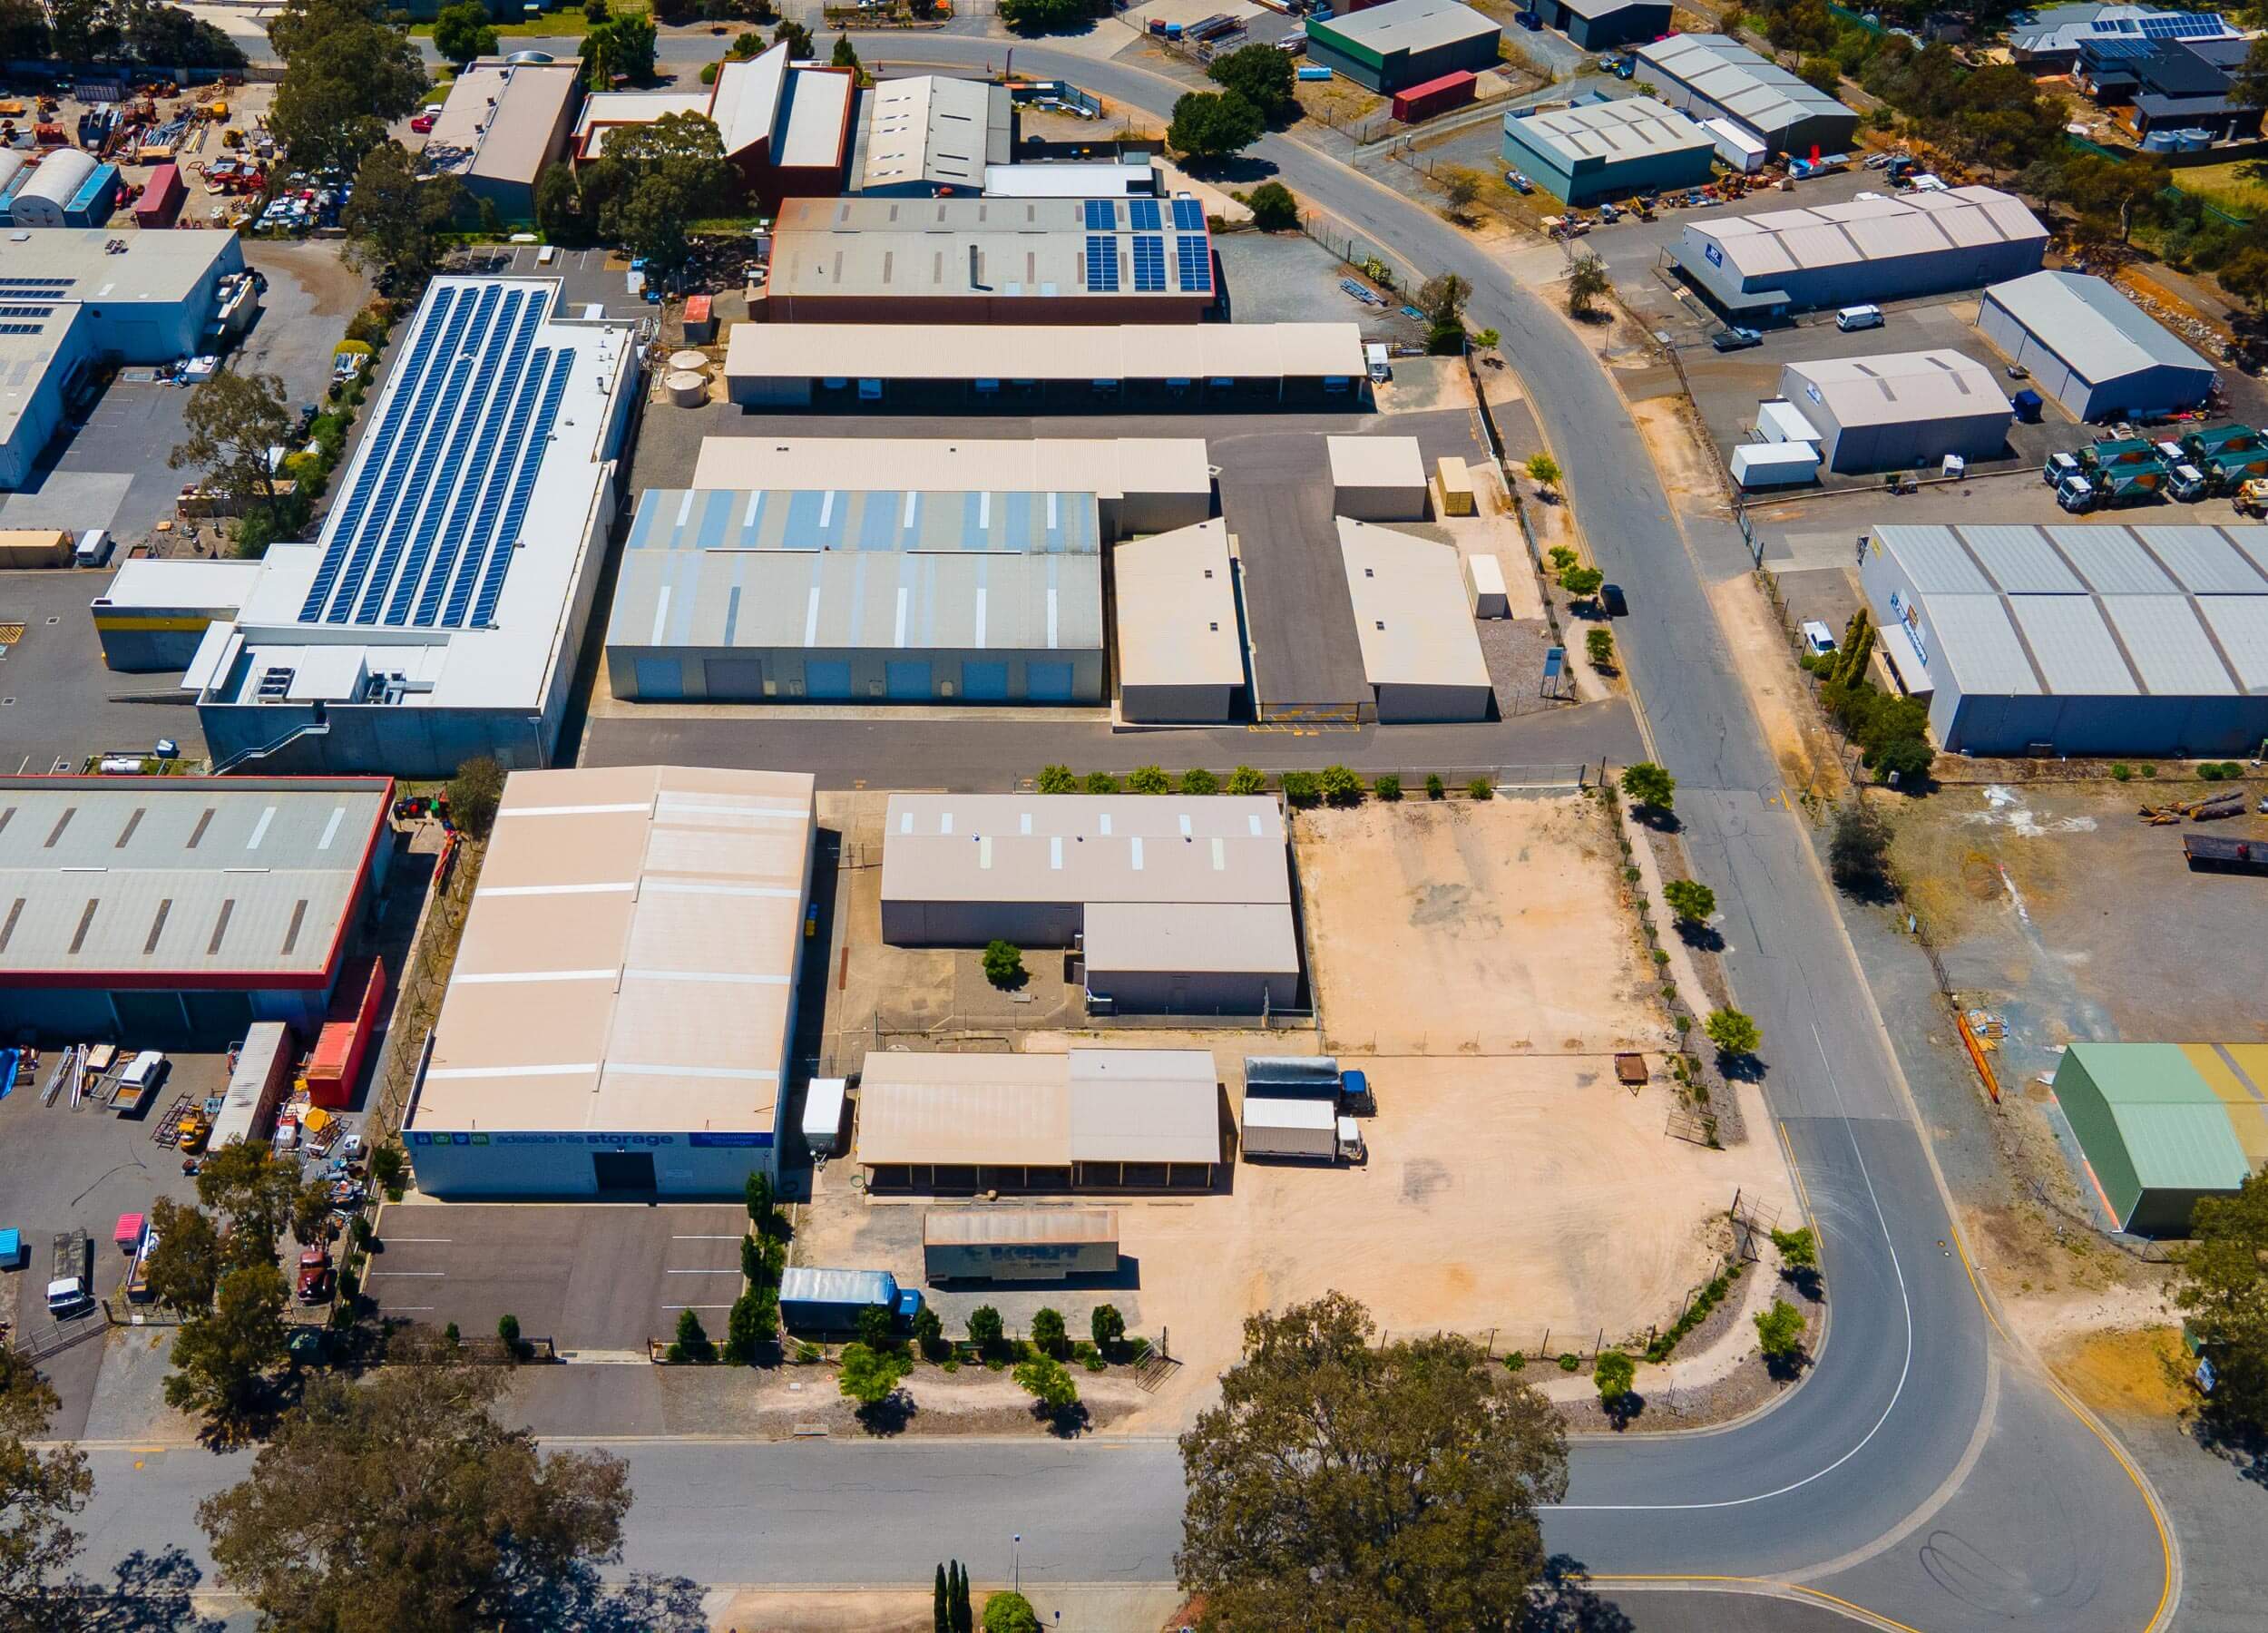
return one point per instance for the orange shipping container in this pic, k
(337, 1062)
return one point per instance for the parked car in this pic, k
(1818, 638)
(1519, 183)
(1527, 19)
(1610, 598)
(314, 1275)
(423, 124)
(1736, 340)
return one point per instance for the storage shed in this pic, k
(1603, 25)
(2091, 348)
(1484, 576)
(1770, 464)
(1606, 149)
(1421, 653)
(1182, 654)
(824, 1105)
(2165, 1124)
(1377, 478)
(1900, 410)
(1712, 75)
(1403, 43)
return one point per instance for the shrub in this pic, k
(1046, 1331)
(1480, 788)
(385, 1166)
(869, 1377)
(876, 1328)
(929, 1331)
(474, 794)
(1003, 964)
(1581, 582)
(1570, 1362)
(1690, 900)
(1101, 782)
(1009, 1613)
(1387, 787)
(1433, 788)
(1908, 759)
(1734, 1033)
(1301, 790)
(1560, 557)
(1614, 1373)
(508, 1334)
(1858, 853)
(1780, 1330)
(1057, 779)
(984, 1328)
(1598, 645)
(1515, 1362)
(1149, 780)
(1107, 1327)
(754, 1318)
(1044, 1379)
(1650, 787)
(1199, 781)
(1340, 786)
(2121, 771)
(691, 1343)
(1245, 780)
(1274, 208)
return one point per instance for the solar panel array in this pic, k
(1102, 263)
(2203, 25)
(1149, 263)
(1144, 215)
(1188, 216)
(426, 533)
(1192, 250)
(1193, 261)
(1102, 216)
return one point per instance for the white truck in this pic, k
(1302, 1127)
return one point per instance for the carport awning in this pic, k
(1905, 657)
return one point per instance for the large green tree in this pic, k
(621, 45)
(400, 1501)
(347, 74)
(1340, 1483)
(1261, 74)
(1044, 16)
(40, 1493)
(2223, 1289)
(221, 1359)
(462, 31)
(655, 181)
(1209, 126)
(396, 218)
(233, 421)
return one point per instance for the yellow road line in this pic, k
(1876, 1616)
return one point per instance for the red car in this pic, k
(423, 123)
(315, 1275)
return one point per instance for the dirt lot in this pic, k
(1489, 928)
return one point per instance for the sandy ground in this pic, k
(1493, 927)
(1091, 1606)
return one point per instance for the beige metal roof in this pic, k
(957, 1226)
(1029, 351)
(1083, 847)
(1375, 461)
(629, 958)
(1411, 612)
(1900, 388)
(1090, 1105)
(1177, 607)
(1108, 467)
(616, 110)
(1189, 938)
(503, 116)
(1832, 235)
(929, 128)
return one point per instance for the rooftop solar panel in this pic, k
(1143, 213)
(1149, 264)
(523, 490)
(1101, 216)
(1193, 259)
(1102, 263)
(514, 445)
(1188, 215)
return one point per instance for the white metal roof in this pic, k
(173, 582)
(499, 119)
(1412, 615)
(1898, 389)
(1089, 1105)
(1780, 242)
(2167, 647)
(1110, 467)
(931, 128)
(2204, 560)
(1375, 461)
(2071, 646)
(1978, 643)
(2091, 326)
(1760, 92)
(2240, 623)
(1633, 127)
(994, 351)
(1408, 25)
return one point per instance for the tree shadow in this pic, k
(1787, 1368)
(1624, 1410)
(1660, 818)
(1741, 1068)
(147, 1593)
(889, 1416)
(1067, 1423)
(1868, 885)
(1806, 1282)
(579, 1601)
(1704, 938)
(1563, 1601)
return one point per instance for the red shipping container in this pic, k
(346, 1035)
(161, 198)
(1434, 96)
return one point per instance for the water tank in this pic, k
(693, 362)
(531, 56)
(687, 390)
(41, 201)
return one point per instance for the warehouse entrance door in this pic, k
(621, 1173)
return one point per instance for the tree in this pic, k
(311, 1215)
(1599, 646)
(1858, 851)
(156, 33)
(1614, 1373)
(1048, 1382)
(985, 1330)
(1581, 582)
(1046, 1331)
(1690, 900)
(746, 1332)
(475, 793)
(1246, 781)
(2221, 1287)
(1734, 1033)
(845, 55)
(871, 1376)
(1821, 72)
(1301, 790)
(1107, 1327)
(654, 181)
(1274, 207)
(398, 1500)
(620, 47)
(756, 1192)
(1649, 787)
(2245, 275)
(1587, 285)
(462, 31)
(929, 1331)
(1460, 186)
(1197, 780)
(184, 1265)
(1149, 780)
(940, 1605)
(1100, 782)
(692, 1342)
(222, 1358)
(795, 36)
(1544, 471)
(1003, 964)
(23, 29)
(1798, 1252)
(1207, 127)
(1342, 1485)
(386, 1165)
(1780, 1331)
(82, 31)
(1907, 759)
(1261, 74)
(1057, 779)
(233, 421)
(1044, 16)
(347, 74)
(878, 1327)
(508, 1333)
(957, 1586)
(256, 1193)
(1340, 786)
(1010, 1612)
(396, 218)
(40, 1494)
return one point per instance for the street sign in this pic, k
(1554, 660)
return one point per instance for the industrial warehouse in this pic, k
(1896, 411)
(1174, 903)
(1605, 149)
(1403, 43)
(1713, 76)
(1832, 255)
(1087, 1120)
(2091, 348)
(785, 126)
(2165, 1124)
(928, 136)
(153, 613)
(620, 1010)
(2077, 640)
(438, 615)
(1022, 367)
(501, 123)
(1181, 652)
(1421, 655)
(1603, 25)
(180, 910)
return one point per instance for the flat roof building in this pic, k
(620, 1010)
(1177, 904)
(2077, 638)
(1603, 25)
(1834, 255)
(2166, 1125)
(439, 613)
(179, 910)
(930, 136)
(785, 126)
(155, 610)
(502, 122)
(1903, 409)
(1404, 43)
(1712, 76)
(2091, 348)
(1021, 367)
(1089, 1120)
(1604, 149)
(1414, 618)
(1181, 651)
(989, 261)
(1072, 178)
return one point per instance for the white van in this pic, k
(93, 547)
(1858, 318)
(547, 255)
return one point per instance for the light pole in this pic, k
(1016, 1569)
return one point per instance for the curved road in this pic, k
(1925, 1474)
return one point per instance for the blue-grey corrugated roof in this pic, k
(1979, 645)
(2240, 622)
(2204, 560)
(804, 519)
(1933, 558)
(2170, 649)
(2021, 560)
(2101, 334)
(2072, 646)
(2111, 562)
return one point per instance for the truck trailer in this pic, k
(1019, 1244)
(1307, 1128)
(830, 1301)
(1308, 1077)
(256, 1086)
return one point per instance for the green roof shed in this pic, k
(2155, 1131)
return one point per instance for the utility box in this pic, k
(1453, 487)
(1484, 582)
(1019, 1244)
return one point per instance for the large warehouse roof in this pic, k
(2091, 326)
(1089, 1105)
(1176, 600)
(499, 119)
(1110, 467)
(928, 128)
(1412, 25)
(1759, 92)
(1901, 387)
(1780, 242)
(1636, 127)
(988, 351)
(183, 881)
(2186, 1112)
(1411, 612)
(629, 962)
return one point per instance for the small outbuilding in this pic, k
(1900, 410)
(1609, 149)
(1182, 658)
(2164, 1125)
(1603, 25)
(1377, 478)
(2091, 348)
(1421, 654)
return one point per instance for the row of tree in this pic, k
(129, 32)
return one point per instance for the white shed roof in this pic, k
(2091, 326)
(1412, 614)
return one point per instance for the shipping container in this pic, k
(35, 547)
(256, 1087)
(163, 195)
(355, 1006)
(1434, 96)
(1019, 1244)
